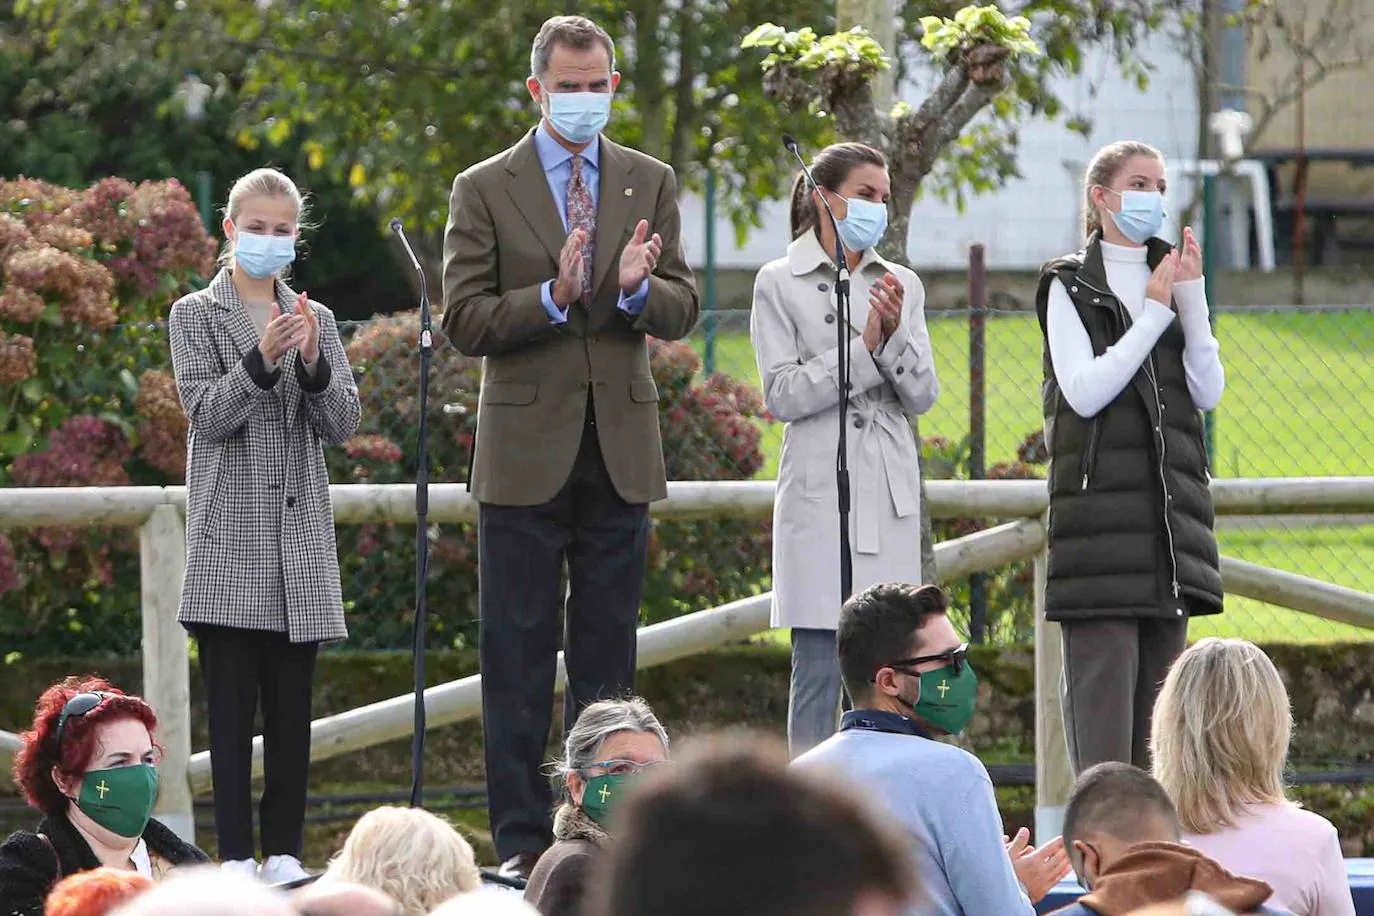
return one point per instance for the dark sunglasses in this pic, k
(955, 658)
(76, 707)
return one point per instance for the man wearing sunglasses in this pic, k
(907, 672)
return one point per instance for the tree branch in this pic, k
(942, 99)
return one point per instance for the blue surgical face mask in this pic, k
(579, 116)
(864, 225)
(261, 256)
(1141, 216)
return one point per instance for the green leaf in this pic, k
(764, 36)
(130, 383)
(33, 390)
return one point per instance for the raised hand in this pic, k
(639, 258)
(1038, 870)
(567, 289)
(280, 335)
(1190, 262)
(308, 337)
(1161, 285)
(886, 297)
(873, 330)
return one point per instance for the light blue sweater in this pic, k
(942, 798)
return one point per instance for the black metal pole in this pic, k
(842, 373)
(977, 403)
(417, 738)
(842, 449)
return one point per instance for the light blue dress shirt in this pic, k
(557, 162)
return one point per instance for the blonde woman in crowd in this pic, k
(1219, 744)
(411, 855)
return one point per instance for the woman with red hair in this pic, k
(95, 892)
(90, 765)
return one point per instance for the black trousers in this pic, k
(239, 666)
(1113, 670)
(521, 554)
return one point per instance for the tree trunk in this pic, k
(650, 87)
(686, 118)
(879, 17)
(893, 247)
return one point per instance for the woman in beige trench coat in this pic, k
(892, 376)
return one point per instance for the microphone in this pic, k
(417, 740)
(399, 228)
(790, 143)
(842, 343)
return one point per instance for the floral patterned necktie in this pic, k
(582, 215)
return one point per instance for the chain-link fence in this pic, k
(1298, 402)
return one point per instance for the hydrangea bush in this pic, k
(86, 399)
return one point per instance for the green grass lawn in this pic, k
(1299, 402)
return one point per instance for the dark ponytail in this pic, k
(831, 168)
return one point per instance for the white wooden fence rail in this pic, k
(1020, 505)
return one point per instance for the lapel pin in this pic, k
(629, 192)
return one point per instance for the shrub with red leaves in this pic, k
(85, 275)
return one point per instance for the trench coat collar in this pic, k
(805, 254)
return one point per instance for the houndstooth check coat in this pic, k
(260, 550)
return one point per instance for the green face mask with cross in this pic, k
(120, 799)
(603, 794)
(947, 699)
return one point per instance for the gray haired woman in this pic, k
(612, 744)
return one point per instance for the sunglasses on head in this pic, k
(955, 658)
(78, 706)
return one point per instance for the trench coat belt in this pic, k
(886, 467)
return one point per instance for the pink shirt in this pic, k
(1295, 851)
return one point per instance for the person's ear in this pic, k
(1088, 863)
(838, 205)
(1103, 199)
(615, 81)
(230, 232)
(67, 787)
(576, 787)
(888, 682)
(536, 91)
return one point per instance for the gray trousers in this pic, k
(1112, 673)
(813, 703)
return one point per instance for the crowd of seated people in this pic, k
(883, 819)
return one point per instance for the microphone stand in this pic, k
(842, 341)
(417, 739)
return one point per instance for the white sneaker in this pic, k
(280, 869)
(248, 867)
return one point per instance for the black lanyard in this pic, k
(878, 720)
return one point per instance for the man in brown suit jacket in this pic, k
(560, 256)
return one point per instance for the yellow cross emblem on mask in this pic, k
(102, 789)
(943, 688)
(605, 794)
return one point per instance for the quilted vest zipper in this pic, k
(1152, 375)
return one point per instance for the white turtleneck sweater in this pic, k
(1091, 382)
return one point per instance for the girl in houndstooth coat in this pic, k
(265, 381)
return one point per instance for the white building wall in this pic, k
(1033, 218)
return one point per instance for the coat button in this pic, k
(1073, 289)
(858, 422)
(823, 287)
(901, 369)
(829, 319)
(290, 502)
(1096, 300)
(1179, 611)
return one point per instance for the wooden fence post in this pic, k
(1053, 776)
(166, 663)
